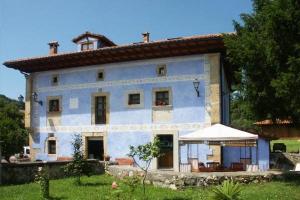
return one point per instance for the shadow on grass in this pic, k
(57, 198)
(292, 178)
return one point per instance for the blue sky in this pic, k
(27, 26)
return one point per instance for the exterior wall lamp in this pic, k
(21, 98)
(196, 84)
(35, 98)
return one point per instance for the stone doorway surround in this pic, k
(86, 136)
(154, 165)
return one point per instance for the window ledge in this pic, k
(135, 106)
(166, 107)
(54, 113)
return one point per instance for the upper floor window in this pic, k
(100, 75)
(162, 96)
(100, 110)
(161, 70)
(87, 46)
(54, 105)
(134, 99)
(54, 80)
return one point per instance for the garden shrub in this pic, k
(227, 191)
(132, 182)
(42, 178)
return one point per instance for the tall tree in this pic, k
(12, 131)
(265, 52)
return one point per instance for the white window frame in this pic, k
(88, 43)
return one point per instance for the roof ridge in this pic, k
(119, 46)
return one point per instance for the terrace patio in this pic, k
(176, 180)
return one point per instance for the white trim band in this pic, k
(124, 128)
(123, 82)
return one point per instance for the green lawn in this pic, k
(291, 145)
(99, 187)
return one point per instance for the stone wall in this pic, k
(176, 180)
(16, 173)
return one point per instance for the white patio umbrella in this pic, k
(222, 134)
(218, 132)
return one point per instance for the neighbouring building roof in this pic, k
(180, 46)
(268, 122)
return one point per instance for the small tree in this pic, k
(145, 153)
(78, 167)
(42, 178)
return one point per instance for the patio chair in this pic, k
(195, 165)
(236, 166)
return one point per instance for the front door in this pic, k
(95, 148)
(166, 148)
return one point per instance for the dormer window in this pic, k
(87, 46)
(90, 41)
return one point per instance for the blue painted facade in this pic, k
(129, 126)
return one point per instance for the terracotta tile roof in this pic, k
(197, 44)
(276, 122)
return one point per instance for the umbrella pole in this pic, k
(198, 152)
(250, 154)
(245, 154)
(257, 152)
(240, 153)
(179, 155)
(187, 151)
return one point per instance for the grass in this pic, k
(99, 187)
(291, 145)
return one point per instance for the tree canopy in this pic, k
(12, 131)
(265, 53)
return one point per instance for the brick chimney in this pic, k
(146, 37)
(53, 47)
